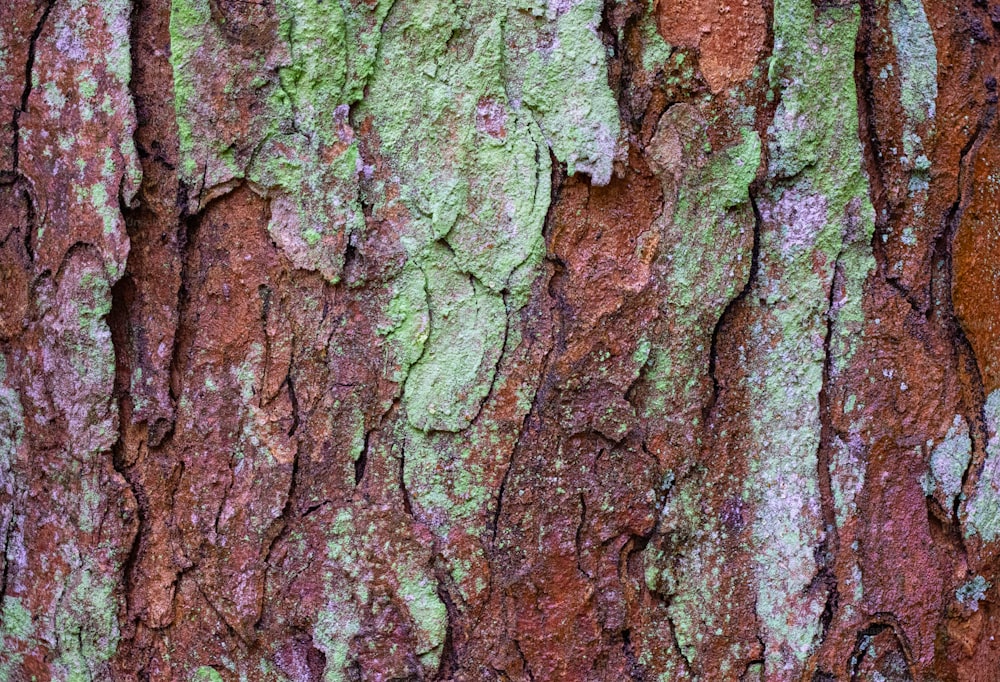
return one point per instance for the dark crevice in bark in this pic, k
(826, 552)
(635, 669)
(524, 661)
(3, 558)
(531, 418)
(29, 67)
(870, 143)
(881, 622)
(730, 310)
(282, 522)
(886, 215)
(313, 507)
(943, 253)
(578, 536)
(620, 68)
(290, 383)
(187, 329)
(500, 356)
(361, 463)
(759, 661)
(407, 502)
(189, 227)
(20, 184)
(119, 323)
(449, 663)
(527, 423)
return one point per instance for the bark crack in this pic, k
(29, 67)
(730, 310)
(943, 252)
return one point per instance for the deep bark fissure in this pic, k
(3, 557)
(118, 321)
(288, 509)
(829, 546)
(361, 463)
(29, 68)
(449, 663)
(532, 416)
(943, 250)
(731, 309)
(407, 501)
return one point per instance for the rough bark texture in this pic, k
(480, 340)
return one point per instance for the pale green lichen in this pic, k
(206, 673)
(565, 86)
(817, 219)
(847, 477)
(16, 619)
(656, 51)
(418, 590)
(707, 204)
(973, 591)
(446, 386)
(689, 574)
(983, 508)
(465, 103)
(473, 174)
(53, 97)
(300, 149)
(468, 156)
(16, 631)
(84, 83)
(339, 623)
(916, 55)
(11, 424)
(949, 461)
(712, 207)
(86, 622)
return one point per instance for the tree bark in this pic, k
(529, 340)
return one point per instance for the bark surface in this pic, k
(529, 340)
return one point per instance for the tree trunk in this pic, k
(481, 340)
